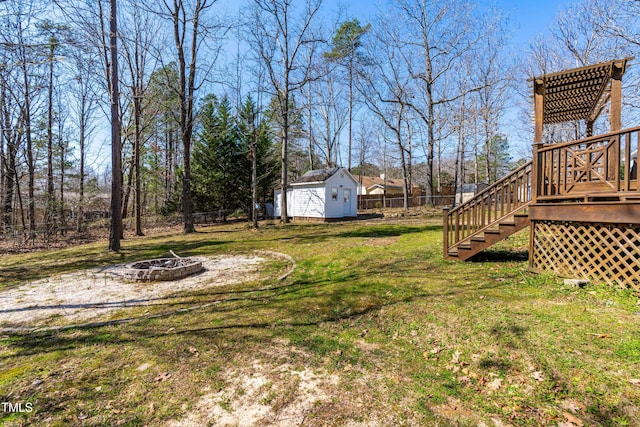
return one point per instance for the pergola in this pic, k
(579, 94)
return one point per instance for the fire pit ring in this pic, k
(161, 269)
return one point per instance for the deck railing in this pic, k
(490, 206)
(599, 166)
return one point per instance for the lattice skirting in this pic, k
(607, 252)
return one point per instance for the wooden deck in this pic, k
(582, 201)
(580, 198)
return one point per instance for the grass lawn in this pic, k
(372, 327)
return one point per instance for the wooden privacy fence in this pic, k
(599, 166)
(490, 206)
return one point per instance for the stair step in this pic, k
(465, 246)
(507, 224)
(521, 215)
(492, 231)
(477, 239)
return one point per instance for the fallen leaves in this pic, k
(143, 367)
(601, 336)
(572, 406)
(635, 381)
(162, 377)
(538, 376)
(495, 384)
(572, 421)
(435, 350)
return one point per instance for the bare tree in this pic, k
(137, 42)
(385, 89)
(10, 140)
(330, 115)
(83, 67)
(491, 73)
(278, 39)
(99, 30)
(190, 30)
(435, 37)
(54, 35)
(346, 51)
(18, 39)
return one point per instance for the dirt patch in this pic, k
(93, 293)
(261, 395)
(381, 241)
(453, 409)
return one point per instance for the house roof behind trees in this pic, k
(318, 175)
(369, 182)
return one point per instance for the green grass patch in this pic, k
(372, 322)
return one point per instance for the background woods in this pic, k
(219, 105)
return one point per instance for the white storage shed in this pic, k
(324, 194)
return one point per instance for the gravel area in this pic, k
(90, 294)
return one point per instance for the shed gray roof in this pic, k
(318, 175)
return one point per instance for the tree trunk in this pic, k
(284, 217)
(81, 143)
(309, 126)
(49, 212)
(7, 158)
(116, 148)
(26, 113)
(136, 161)
(127, 189)
(254, 177)
(403, 164)
(63, 221)
(349, 132)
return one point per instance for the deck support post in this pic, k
(445, 232)
(535, 185)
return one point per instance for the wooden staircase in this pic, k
(490, 216)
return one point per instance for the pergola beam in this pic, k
(579, 94)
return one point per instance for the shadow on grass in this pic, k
(325, 233)
(299, 303)
(501, 255)
(158, 246)
(70, 261)
(238, 313)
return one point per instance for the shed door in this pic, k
(346, 207)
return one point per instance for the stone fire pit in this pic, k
(161, 269)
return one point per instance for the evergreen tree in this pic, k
(497, 158)
(219, 164)
(258, 146)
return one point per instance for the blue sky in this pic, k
(529, 18)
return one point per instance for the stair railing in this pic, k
(490, 206)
